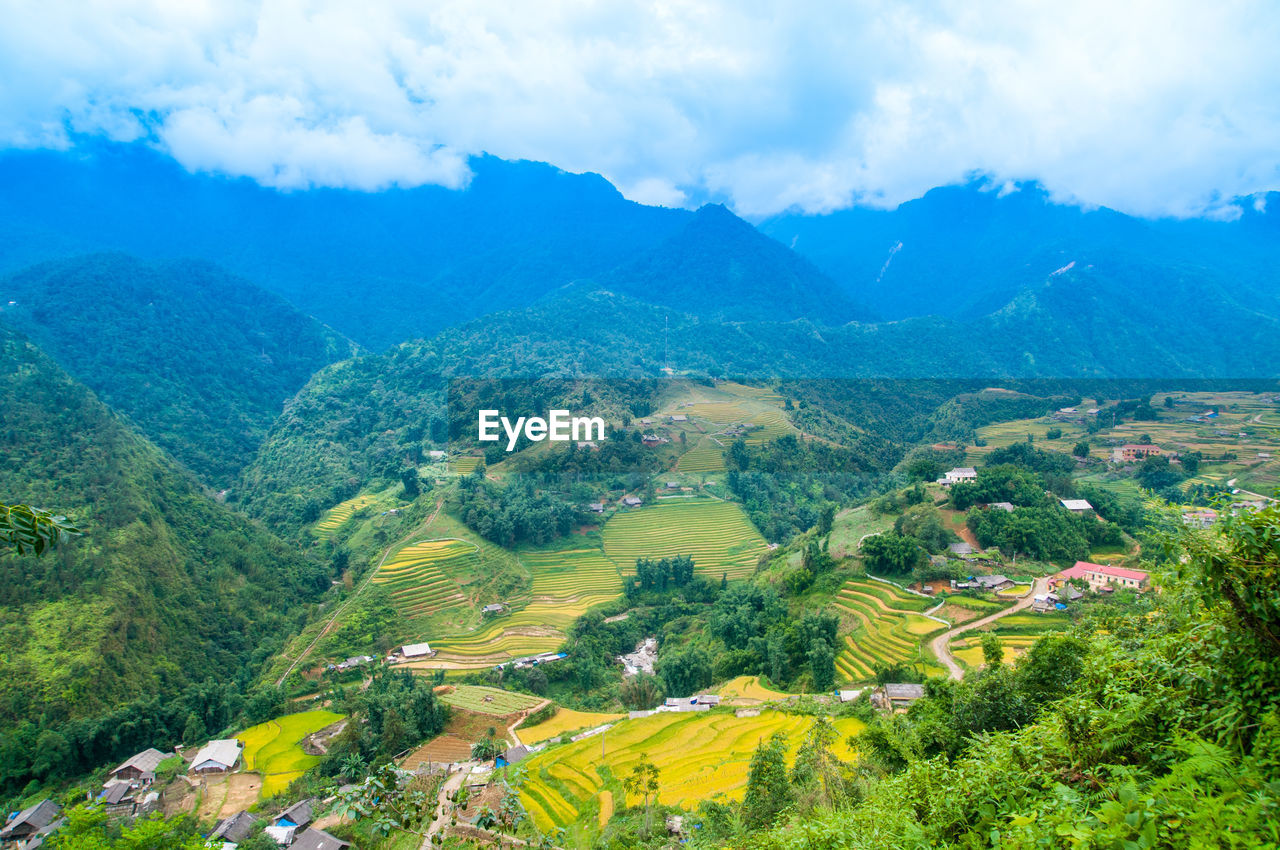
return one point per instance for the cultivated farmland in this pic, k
(338, 515)
(700, 755)
(419, 575)
(717, 535)
(705, 457)
(566, 720)
(748, 690)
(889, 628)
(274, 750)
(482, 700)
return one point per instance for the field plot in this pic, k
(705, 457)
(748, 690)
(717, 535)
(417, 579)
(274, 749)
(564, 583)
(700, 756)
(482, 700)
(851, 526)
(338, 515)
(762, 422)
(968, 648)
(890, 628)
(566, 720)
(464, 465)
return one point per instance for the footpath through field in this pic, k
(942, 643)
(355, 594)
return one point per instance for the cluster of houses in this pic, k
(701, 702)
(626, 502)
(535, 660)
(291, 828)
(351, 663)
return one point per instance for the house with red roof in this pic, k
(1104, 577)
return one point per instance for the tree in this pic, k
(992, 650)
(768, 791)
(817, 773)
(641, 692)
(33, 530)
(1081, 449)
(643, 780)
(891, 553)
(822, 665)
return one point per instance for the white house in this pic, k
(218, 756)
(416, 650)
(960, 473)
(1076, 506)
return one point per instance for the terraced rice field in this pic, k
(766, 421)
(748, 689)
(968, 649)
(465, 465)
(699, 755)
(705, 457)
(890, 628)
(338, 515)
(573, 579)
(564, 584)
(417, 576)
(717, 535)
(274, 749)
(565, 720)
(482, 700)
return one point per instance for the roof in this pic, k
(515, 754)
(299, 814)
(992, 581)
(115, 793)
(1076, 504)
(235, 828)
(318, 839)
(1117, 572)
(34, 817)
(903, 691)
(146, 761)
(495, 606)
(1145, 447)
(225, 751)
(412, 649)
(963, 470)
(961, 548)
(1004, 506)
(1076, 571)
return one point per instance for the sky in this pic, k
(1153, 108)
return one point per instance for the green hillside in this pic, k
(149, 626)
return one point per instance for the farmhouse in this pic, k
(631, 501)
(234, 829)
(1134, 451)
(218, 756)
(895, 696)
(417, 650)
(435, 454)
(678, 417)
(298, 815)
(1199, 518)
(960, 473)
(673, 485)
(318, 839)
(596, 507)
(141, 766)
(37, 820)
(512, 755)
(961, 549)
(1004, 506)
(993, 583)
(1076, 506)
(1104, 577)
(494, 608)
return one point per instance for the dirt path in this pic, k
(449, 786)
(941, 644)
(333, 621)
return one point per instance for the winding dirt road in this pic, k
(941, 644)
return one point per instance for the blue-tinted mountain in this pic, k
(964, 251)
(200, 361)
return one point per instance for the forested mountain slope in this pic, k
(964, 251)
(117, 640)
(202, 362)
(381, 267)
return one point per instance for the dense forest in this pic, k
(148, 629)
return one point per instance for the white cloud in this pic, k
(1152, 107)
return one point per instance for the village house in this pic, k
(417, 650)
(1102, 577)
(677, 417)
(596, 507)
(512, 755)
(1131, 452)
(1004, 506)
(631, 501)
(234, 829)
(1199, 518)
(140, 767)
(494, 609)
(651, 440)
(962, 549)
(318, 839)
(33, 822)
(960, 473)
(992, 583)
(896, 696)
(1076, 506)
(217, 757)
